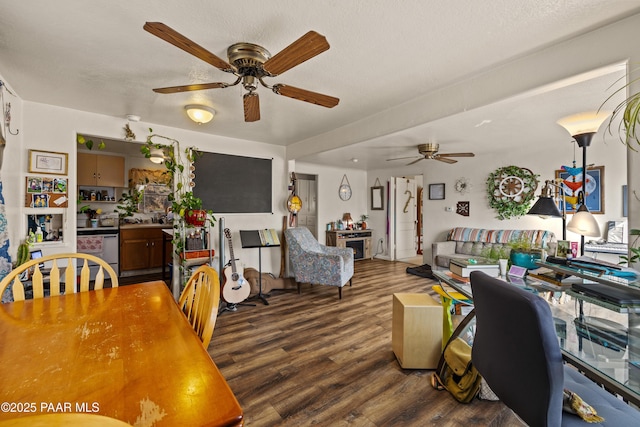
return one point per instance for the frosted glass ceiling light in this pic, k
(157, 156)
(200, 113)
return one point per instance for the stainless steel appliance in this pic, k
(102, 242)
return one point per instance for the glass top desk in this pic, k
(600, 339)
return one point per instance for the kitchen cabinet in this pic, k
(100, 170)
(141, 248)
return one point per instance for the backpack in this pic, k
(457, 374)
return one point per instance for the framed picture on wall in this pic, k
(48, 162)
(572, 187)
(436, 191)
(377, 198)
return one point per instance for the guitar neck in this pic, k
(233, 258)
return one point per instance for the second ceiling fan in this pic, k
(251, 63)
(430, 152)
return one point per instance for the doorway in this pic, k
(406, 219)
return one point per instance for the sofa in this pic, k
(465, 242)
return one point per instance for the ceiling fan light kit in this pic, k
(251, 63)
(200, 113)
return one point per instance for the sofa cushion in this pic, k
(466, 242)
(538, 238)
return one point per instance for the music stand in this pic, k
(259, 239)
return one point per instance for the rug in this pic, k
(422, 271)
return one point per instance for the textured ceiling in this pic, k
(95, 56)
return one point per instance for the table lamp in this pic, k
(347, 220)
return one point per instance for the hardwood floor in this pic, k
(312, 359)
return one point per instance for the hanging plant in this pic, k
(628, 111)
(510, 191)
(183, 201)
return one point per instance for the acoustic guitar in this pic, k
(236, 288)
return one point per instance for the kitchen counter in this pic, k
(145, 225)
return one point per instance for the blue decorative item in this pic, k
(524, 259)
(573, 171)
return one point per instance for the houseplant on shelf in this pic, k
(183, 202)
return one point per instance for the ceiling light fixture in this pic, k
(200, 113)
(157, 156)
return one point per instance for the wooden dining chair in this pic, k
(64, 420)
(199, 301)
(32, 272)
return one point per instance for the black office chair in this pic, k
(516, 351)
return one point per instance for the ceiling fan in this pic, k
(251, 63)
(430, 152)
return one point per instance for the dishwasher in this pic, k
(102, 242)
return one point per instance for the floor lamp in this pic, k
(546, 206)
(582, 127)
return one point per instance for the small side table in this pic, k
(416, 333)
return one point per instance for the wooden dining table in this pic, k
(126, 353)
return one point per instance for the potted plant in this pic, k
(524, 254)
(363, 221)
(183, 202)
(92, 214)
(128, 203)
(499, 254)
(634, 249)
(191, 210)
(629, 113)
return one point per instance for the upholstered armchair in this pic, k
(311, 262)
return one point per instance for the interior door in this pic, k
(405, 218)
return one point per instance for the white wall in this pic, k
(51, 128)
(330, 206)
(437, 221)
(593, 50)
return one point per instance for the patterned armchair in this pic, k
(318, 264)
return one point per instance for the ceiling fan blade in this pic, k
(306, 47)
(306, 95)
(415, 161)
(405, 158)
(444, 159)
(457, 155)
(251, 107)
(186, 88)
(169, 35)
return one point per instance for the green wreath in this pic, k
(510, 190)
